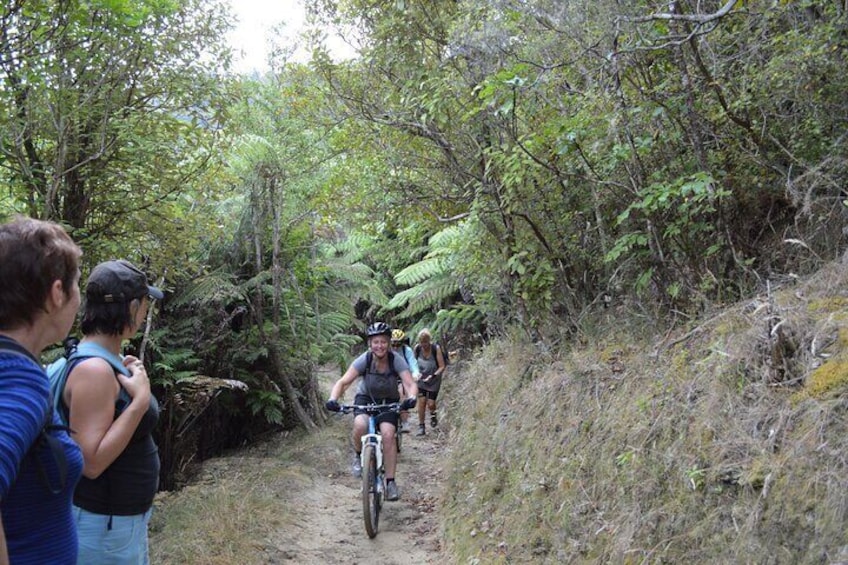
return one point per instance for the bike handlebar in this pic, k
(370, 408)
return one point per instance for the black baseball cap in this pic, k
(118, 281)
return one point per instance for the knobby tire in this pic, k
(370, 492)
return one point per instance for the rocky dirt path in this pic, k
(330, 529)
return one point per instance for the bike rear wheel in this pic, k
(371, 491)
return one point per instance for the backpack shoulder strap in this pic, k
(88, 349)
(59, 370)
(11, 346)
(390, 358)
(368, 358)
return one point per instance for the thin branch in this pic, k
(696, 19)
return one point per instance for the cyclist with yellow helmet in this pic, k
(400, 345)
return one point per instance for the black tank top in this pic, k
(128, 485)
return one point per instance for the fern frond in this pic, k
(216, 286)
(421, 271)
(353, 248)
(446, 238)
(332, 324)
(459, 317)
(402, 298)
(355, 273)
(426, 296)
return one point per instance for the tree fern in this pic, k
(458, 317)
(426, 295)
(340, 264)
(431, 278)
(427, 268)
(433, 281)
(218, 285)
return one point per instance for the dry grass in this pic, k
(724, 442)
(231, 512)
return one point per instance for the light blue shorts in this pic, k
(124, 544)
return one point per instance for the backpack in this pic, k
(436, 348)
(393, 376)
(44, 438)
(370, 357)
(57, 371)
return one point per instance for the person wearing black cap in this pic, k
(113, 416)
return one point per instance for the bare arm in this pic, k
(409, 384)
(91, 393)
(341, 385)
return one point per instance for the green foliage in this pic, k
(458, 319)
(684, 207)
(108, 112)
(432, 278)
(175, 364)
(480, 164)
(266, 404)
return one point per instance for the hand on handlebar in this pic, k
(408, 404)
(332, 405)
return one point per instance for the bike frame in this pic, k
(373, 436)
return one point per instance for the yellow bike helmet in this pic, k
(398, 336)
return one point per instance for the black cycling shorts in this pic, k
(389, 416)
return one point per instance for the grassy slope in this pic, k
(722, 443)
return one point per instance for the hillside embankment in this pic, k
(721, 441)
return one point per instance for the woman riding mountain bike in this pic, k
(379, 369)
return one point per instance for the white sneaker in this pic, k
(404, 427)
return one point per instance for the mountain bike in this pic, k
(373, 473)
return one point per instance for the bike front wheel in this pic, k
(371, 490)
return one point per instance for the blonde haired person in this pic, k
(431, 363)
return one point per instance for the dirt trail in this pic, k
(291, 499)
(330, 526)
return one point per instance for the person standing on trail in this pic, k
(377, 386)
(39, 299)
(431, 362)
(113, 417)
(399, 346)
